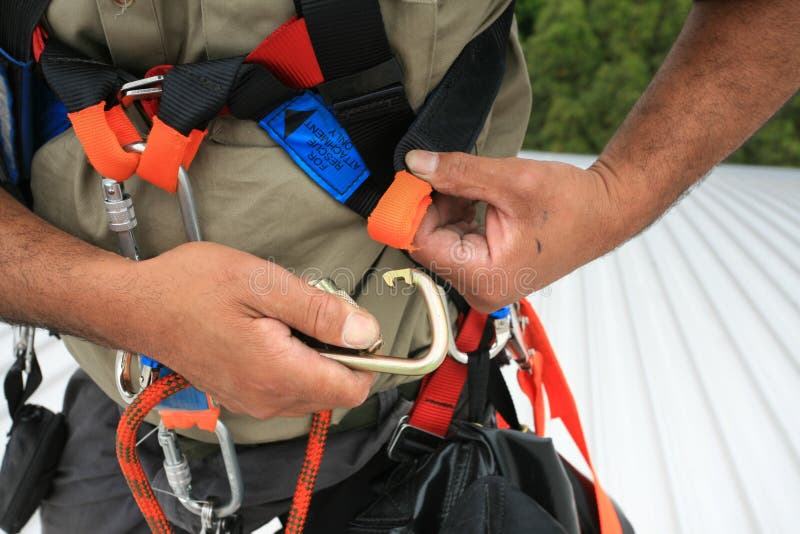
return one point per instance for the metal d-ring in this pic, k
(440, 332)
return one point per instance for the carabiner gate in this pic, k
(502, 333)
(179, 476)
(440, 332)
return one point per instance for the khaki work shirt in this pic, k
(250, 194)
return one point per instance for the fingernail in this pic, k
(422, 163)
(360, 331)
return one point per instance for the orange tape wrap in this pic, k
(396, 218)
(162, 157)
(183, 419)
(101, 145)
(124, 130)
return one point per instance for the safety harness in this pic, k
(326, 87)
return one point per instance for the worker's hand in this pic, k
(222, 318)
(543, 220)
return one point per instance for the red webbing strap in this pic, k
(100, 143)
(562, 405)
(438, 396)
(289, 54)
(39, 40)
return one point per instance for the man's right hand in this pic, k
(222, 318)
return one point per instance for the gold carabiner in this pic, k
(440, 333)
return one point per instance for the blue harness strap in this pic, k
(29, 114)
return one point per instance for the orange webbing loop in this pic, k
(163, 156)
(396, 218)
(124, 130)
(183, 419)
(195, 139)
(289, 55)
(562, 405)
(127, 436)
(308, 473)
(101, 145)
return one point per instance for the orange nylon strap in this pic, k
(162, 157)
(195, 138)
(124, 130)
(203, 419)
(101, 145)
(562, 405)
(396, 218)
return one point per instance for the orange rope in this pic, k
(131, 466)
(128, 458)
(308, 474)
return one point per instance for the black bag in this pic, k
(482, 479)
(485, 480)
(34, 447)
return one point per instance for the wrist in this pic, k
(632, 203)
(103, 299)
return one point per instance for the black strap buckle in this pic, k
(387, 75)
(409, 442)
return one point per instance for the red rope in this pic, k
(128, 458)
(308, 474)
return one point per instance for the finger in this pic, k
(323, 383)
(315, 312)
(477, 178)
(454, 209)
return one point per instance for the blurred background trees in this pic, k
(589, 61)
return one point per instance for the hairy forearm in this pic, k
(50, 278)
(732, 67)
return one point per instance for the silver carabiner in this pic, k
(23, 339)
(179, 475)
(520, 351)
(440, 332)
(502, 333)
(122, 221)
(144, 88)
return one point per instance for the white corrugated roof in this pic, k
(682, 351)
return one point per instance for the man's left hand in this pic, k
(543, 220)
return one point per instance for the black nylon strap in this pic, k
(454, 113)
(15, 391)
(194, 93)
(256, 92)
(18, 19)
(478, 371)
(79, 82)
(348, 35)
(500, 397)
(363, 85)
(375, 124)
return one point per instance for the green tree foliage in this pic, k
(590, 60)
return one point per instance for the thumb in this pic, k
(466, 176)
(321, 315)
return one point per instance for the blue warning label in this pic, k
(315, 140)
